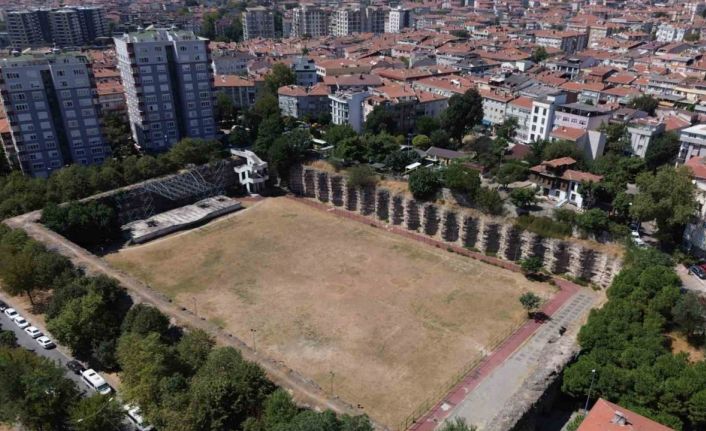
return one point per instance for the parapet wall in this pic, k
(457, 226)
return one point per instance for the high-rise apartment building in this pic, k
(310, 21)
(62, 27)
(397, 19)
(374, 19)
(258, 22)
(51, 107)
(168, 84)
(346, 21)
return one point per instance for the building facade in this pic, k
(62, 27)
(52, 112)
(258, 22)
(347, 108)
(309, 21)
(168, 85)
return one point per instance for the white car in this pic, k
(33, 332)
(21, 322)
(11, 313)
(95, 381)
(135, 416)
(45, 342)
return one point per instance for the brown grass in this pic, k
(391, 317)
(679, 344)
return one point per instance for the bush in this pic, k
(421, 141)
(593, 221)
(424, 183)
(490, 201)
(462, 179)
(544, 226)
(362, 176)
(564, 216)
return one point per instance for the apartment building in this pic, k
(168, 86)
(581, 116)
(304, 102)
(346, 21)
(305, 71)
(642, 131)
(347, 108)
(243, 92)
(258, 22)
(670, 32)
(310, 21)
(521, 110)
(374, 19)
(567, 41)
(62, 27)
(494, 106)
(543, 112)
(52, 112)
(398, 19)
(693, 143)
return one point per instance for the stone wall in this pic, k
(485, 234)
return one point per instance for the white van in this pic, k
(135, 416)
(95, 381)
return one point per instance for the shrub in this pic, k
(424, 183)
(362, 176)
(490, 201)
(544, 226)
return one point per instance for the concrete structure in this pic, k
(543, 113)
(494, 106)
(253, 174)
(347, 108)
(670, 32)
(346, 21)
(567, 41)
(693, 143)
(521, 110)
(243, 92)
(399, 18)
(53, 115)
(305, 71)
(309, 21)
(456, 227)
(642, 131)
(374, 19)
(304, 102)
(258, 22)
(581, 116)
(168, 86)
(62, 27)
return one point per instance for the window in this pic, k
(72, 123)
(79, 72)
(19, 96)
(12, 75)
(68, 104)
(16, 86)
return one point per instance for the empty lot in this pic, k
(390, 317)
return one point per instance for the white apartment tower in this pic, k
(168, 85)
(397, 19)
(258, 22)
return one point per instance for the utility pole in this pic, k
(252, 332)
(590, 388)
(196, 310)
(332, 376)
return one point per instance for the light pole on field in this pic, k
(254, 346)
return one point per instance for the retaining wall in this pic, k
(485, 234)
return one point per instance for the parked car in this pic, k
(76, 367)
(135, 416)
(697, 271)
(11, 313)
(21, 322)
(33, 332)
(95, 381)
(3, 306)
(639, 242)
(46, 342)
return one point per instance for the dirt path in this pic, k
(304, 391)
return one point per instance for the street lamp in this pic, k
(196, 310)
(332, 376)
(590, 388)
(254, 346)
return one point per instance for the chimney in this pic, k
(619, 418)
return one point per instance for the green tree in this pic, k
(523, 197)
(380, 120)
(490, 201)
(558, 149)
(96, 413)
(644, 102)
(88, 223)
(530, 302)
(689, 313)
(662, 150)
(426, 125)
(462, 34)
(617, 138)
(196, 151)
(224, 110)
(531, 265)
(397, 161)
(193, 348)
(461, 179)
(18, 275)
(286, 151)
(539, 54)
(362, 176)
(441, 139)
(279, 76)
(379, 146)
(337, 133)
(593, 221)
(667, 197)
(278, 409)
(268, 131)
(143, 319)
(8, 339)
(350, 150)
(464, 112)
(424, 183)
(511, 172)
(118, 135)
(507, 129)
(422, 142)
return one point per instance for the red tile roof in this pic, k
(569, 133)
(606, 416)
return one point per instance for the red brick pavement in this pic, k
(473, 378)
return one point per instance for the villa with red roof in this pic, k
(606, 416)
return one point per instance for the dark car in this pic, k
(697, 271)
(3, 306)
(76, 367)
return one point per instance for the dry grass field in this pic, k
(390, 317)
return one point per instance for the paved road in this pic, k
(690, 281)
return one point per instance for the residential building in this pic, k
(310, 21)
(304, 102)
(374, 19)
(559, 182)
(28, 28)
(567, 41)
(305, 71)
(357, 82)
(543, 113)
(168, 86)
(521, 110)
(642, 132)
(693, 143)
(258, 22)
(243, 92)
(581, 116)
(398, 19)
(347, 108)
(670, 32)
(230, 62)
(61, 27)
(494, 106)
(606, 416)
(52, 112)
(590, 142)
(346, 21)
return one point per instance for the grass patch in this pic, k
(544, 226)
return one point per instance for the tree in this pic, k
(539, 54)
(379, 146)
(193, 348)
(558, 149)
(336, 133)
(8, 339)
(424, 183)
(96, 413)
(118, 135)
(224, 110)
(464, 112)
(286, 151)
(461, 179)
(511, 172)
(693, 36)
(461, 34)
(196, 151)
(617, 138)
(350, 150)
(644, 102)
(397, 161)
(458, 424)
(278, 409)
(143, 319)
(523, 197)
(362, 176)
(490, 201)
(88, 223)
(662, 150)
(279, 76)
(440, 139)
(268, 131)
(690, 314)
(667, 197)
(380, 120)
(593, 221)
(422, 142)
(18, 274)
(530, 302)
(531, 265)
(507, 129)
(426, 125)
